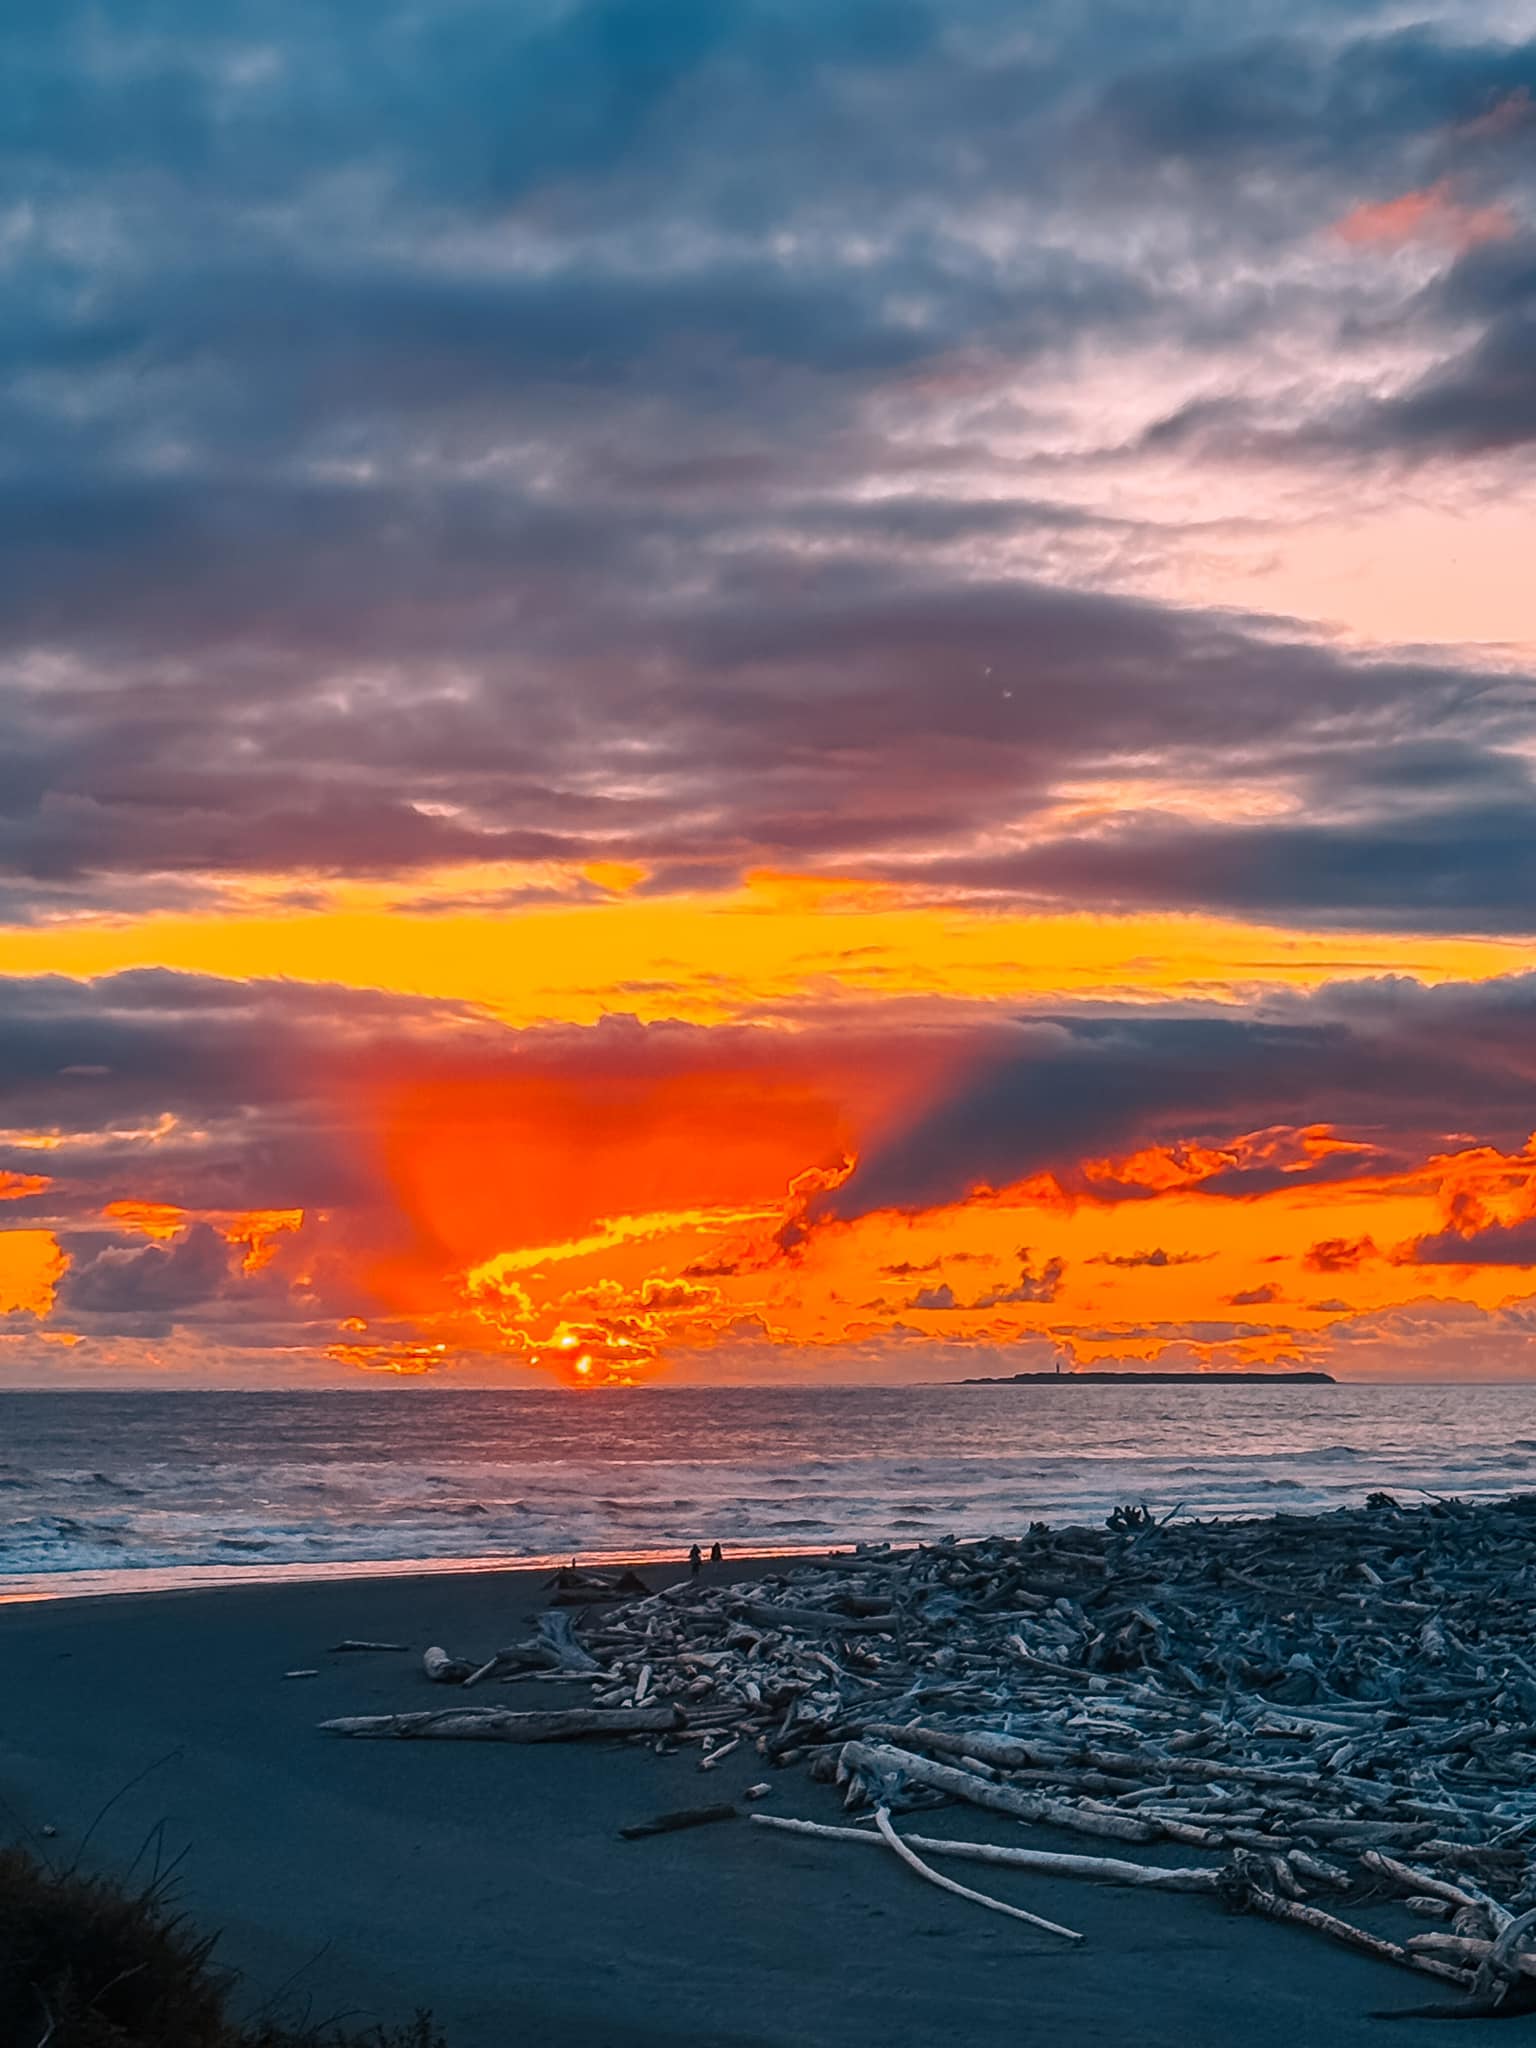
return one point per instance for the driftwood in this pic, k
(815, 1620)
(1043, 1862)
(1424, 1884)
(915, 1862)
(350, 1644)
(1498, 1969)
(1351, 1936)
(1339, 1705)
(901, 1763)
(496, 1724)
(553, 1648)
(557, 1639)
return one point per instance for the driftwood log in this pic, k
(878, 1759)
(915, 1862)
(496, 1724)
(1043, 1862)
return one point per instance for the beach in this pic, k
(489, 1883)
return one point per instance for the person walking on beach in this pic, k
(716, 1554)
(695, 1560)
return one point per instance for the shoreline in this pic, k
(95, 1583)
(92, 1583)
(24, 1589)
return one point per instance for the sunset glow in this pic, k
(872, 721)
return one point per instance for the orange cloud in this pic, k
(1339, 1254)
(31, 1266)
(256, 1231)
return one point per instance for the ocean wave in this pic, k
(654, 1474)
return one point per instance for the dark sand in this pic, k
(487, 1881)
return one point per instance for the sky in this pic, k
(806, 691)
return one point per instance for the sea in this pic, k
(125, 1491)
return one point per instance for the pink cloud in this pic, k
(1433, 214)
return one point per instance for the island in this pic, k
(1162, 1379)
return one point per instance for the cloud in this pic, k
(677, 1295)
(1435, 1339)
(1364, 1057)
(1339, 1254)
(561, 452)
(940, 1297)
(1496, 1244)
(1034, 1284)
(1254, 1297)
(120, 1280)
(1157, 1257)
(1432, 214)
(681, 465)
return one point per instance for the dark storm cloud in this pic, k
(432, 436)
(1365, 1057)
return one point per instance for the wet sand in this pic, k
(488, 1882)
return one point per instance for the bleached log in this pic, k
(1503, 1961)
(1313, 1917)
(497, 1724)
(1319, 1869)
(1465, 1949)
(1043, 1862)
(915, 1862)
(1003, 1752)
(1424, 1884)
(878, 1758)
(766, 1615)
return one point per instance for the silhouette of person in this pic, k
(695, 1560)
(716, 1554)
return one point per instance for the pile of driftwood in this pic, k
(1329, 1708)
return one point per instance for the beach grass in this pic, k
(89, 1962)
